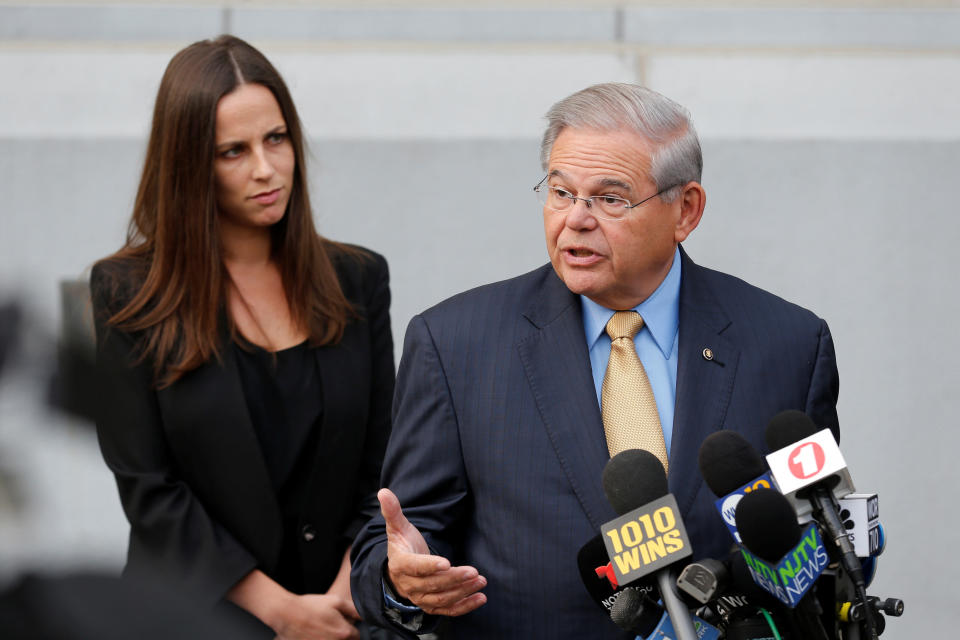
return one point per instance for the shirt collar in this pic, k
(661, 312)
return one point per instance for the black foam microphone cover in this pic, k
(636, 613)
(767, 524)
(787, 427)
(633, 478)
(727, 462)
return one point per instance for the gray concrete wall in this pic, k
(831, 141)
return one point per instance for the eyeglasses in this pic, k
(608, 207)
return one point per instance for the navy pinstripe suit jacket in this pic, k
(498, 447)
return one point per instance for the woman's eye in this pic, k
(277, 138)
(232, 152)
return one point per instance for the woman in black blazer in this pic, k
(246, 363)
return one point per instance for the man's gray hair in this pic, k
(676, 157)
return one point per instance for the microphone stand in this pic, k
(679, 615)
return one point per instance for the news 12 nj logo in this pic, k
(727, 505)
(646, 539)
(665, 630)
(796, 572)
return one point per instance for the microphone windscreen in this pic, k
(787, 427)
(633, 478)
(634, 612)
(727, 462)
(767, 524)
(591, 557)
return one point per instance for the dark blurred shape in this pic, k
(90, 606)
(11, 492)
(10, 315)
(71, 380)
(72, 386)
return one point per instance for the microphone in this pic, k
(634, 611)
(732, 601)
(803, 456)
(727, 462)
(599, 579)
(649, 535)
(703, 580)
(632, 608)
(781, 558)
(633, 478)
(731, 467)
(807, 465)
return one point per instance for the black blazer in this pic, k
(192, 480)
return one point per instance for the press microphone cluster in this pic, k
(796, 522)
(627, 567)
(804, 544)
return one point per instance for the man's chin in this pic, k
(580, 282)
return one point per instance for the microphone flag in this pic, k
(795, 573)
(646, 539)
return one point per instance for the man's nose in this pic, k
(581, 217)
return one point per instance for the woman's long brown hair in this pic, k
(173, 248)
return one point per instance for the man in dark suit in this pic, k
(501, 419)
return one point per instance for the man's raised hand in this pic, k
(426, 580)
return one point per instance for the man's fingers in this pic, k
(468, 604)
(437, 581)
(449, 592)
(451, 596)
(416, 565)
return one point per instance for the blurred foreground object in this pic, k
(85, 606)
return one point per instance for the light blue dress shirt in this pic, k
(656, 342)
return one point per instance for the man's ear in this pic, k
(692, 200)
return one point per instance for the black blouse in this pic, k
(284, 398)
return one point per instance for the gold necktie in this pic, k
(630, 417)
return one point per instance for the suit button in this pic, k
(308, 533)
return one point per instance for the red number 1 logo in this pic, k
(806, 460)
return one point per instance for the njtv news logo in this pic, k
(796, 572)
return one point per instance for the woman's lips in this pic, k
(267, 197)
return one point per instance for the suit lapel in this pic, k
(557, 368)
(706, 368)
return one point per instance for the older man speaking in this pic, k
(512, 397)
